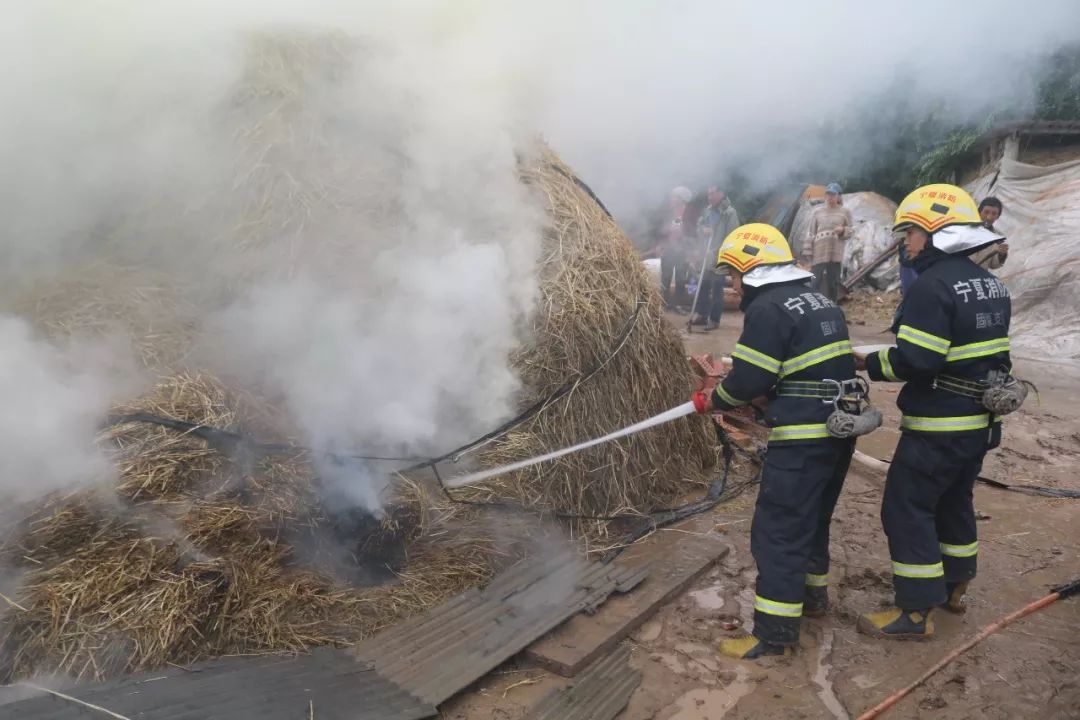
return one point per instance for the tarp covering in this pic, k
(1042, 224)
(873, 215)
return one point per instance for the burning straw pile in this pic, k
(592, 286)
(195, 554)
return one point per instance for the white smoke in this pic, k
(333, 184)
(53, 397)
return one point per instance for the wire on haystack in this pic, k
(229, 441)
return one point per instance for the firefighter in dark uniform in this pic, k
(794, 349)
(952, 343)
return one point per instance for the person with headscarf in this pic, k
(831, 225)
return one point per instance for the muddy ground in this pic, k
(1027, 543)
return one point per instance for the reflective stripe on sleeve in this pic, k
(886, 365)
(728, 397)
(815, 356)
(813, 580)
(752, 356)
(923, 339)
(977, 350)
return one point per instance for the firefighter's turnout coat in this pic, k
(793, 340)
(951, 331)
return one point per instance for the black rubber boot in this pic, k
(816, 602)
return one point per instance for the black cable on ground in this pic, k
(713, 497)
(1031, 489)
(228, 441)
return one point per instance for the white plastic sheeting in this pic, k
(1042, 225)
(873, 215)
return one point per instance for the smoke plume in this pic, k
(331, 187)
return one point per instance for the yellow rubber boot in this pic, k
(957, 602)
(898, 624)
(749, 647)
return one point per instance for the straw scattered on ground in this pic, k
(191, 555)
(102, 300)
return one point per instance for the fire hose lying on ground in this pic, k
(1059, 593)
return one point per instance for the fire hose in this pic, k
(883, 465)
(1059, 593)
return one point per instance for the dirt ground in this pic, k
(1027, 543)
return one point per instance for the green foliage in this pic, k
(936, 164)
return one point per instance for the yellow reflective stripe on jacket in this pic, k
(728, 397)
(815, 356)
(773, 607)
(886, 365)
(799, 432)
(945, 424)
(813, 580)
(977, 350)
(905, 570)
(960, 551)
(923, 339)
(752, 356)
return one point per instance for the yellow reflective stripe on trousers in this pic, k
(905, 570)
(813, 580)
(923, 339)
(977, 350)
(773, 607)
(945, 424)
(799, 432)
(752, 356)
(886, 365)
(960, 551)
(728, 397)
(815, 356)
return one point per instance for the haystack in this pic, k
(592, 284)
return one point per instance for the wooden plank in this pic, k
(677, 559)
(601, 692)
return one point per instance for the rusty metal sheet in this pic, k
(600, 693)
(445, 650)
(329, 684)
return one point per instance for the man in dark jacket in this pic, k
(952, 338)
(795, 350)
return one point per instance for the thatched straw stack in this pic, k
(192, 555)
(591, 281)
(100, 299)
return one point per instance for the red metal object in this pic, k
(738, 423)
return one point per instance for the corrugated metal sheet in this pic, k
(600, 693)
(442, 652)
(330, 684)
